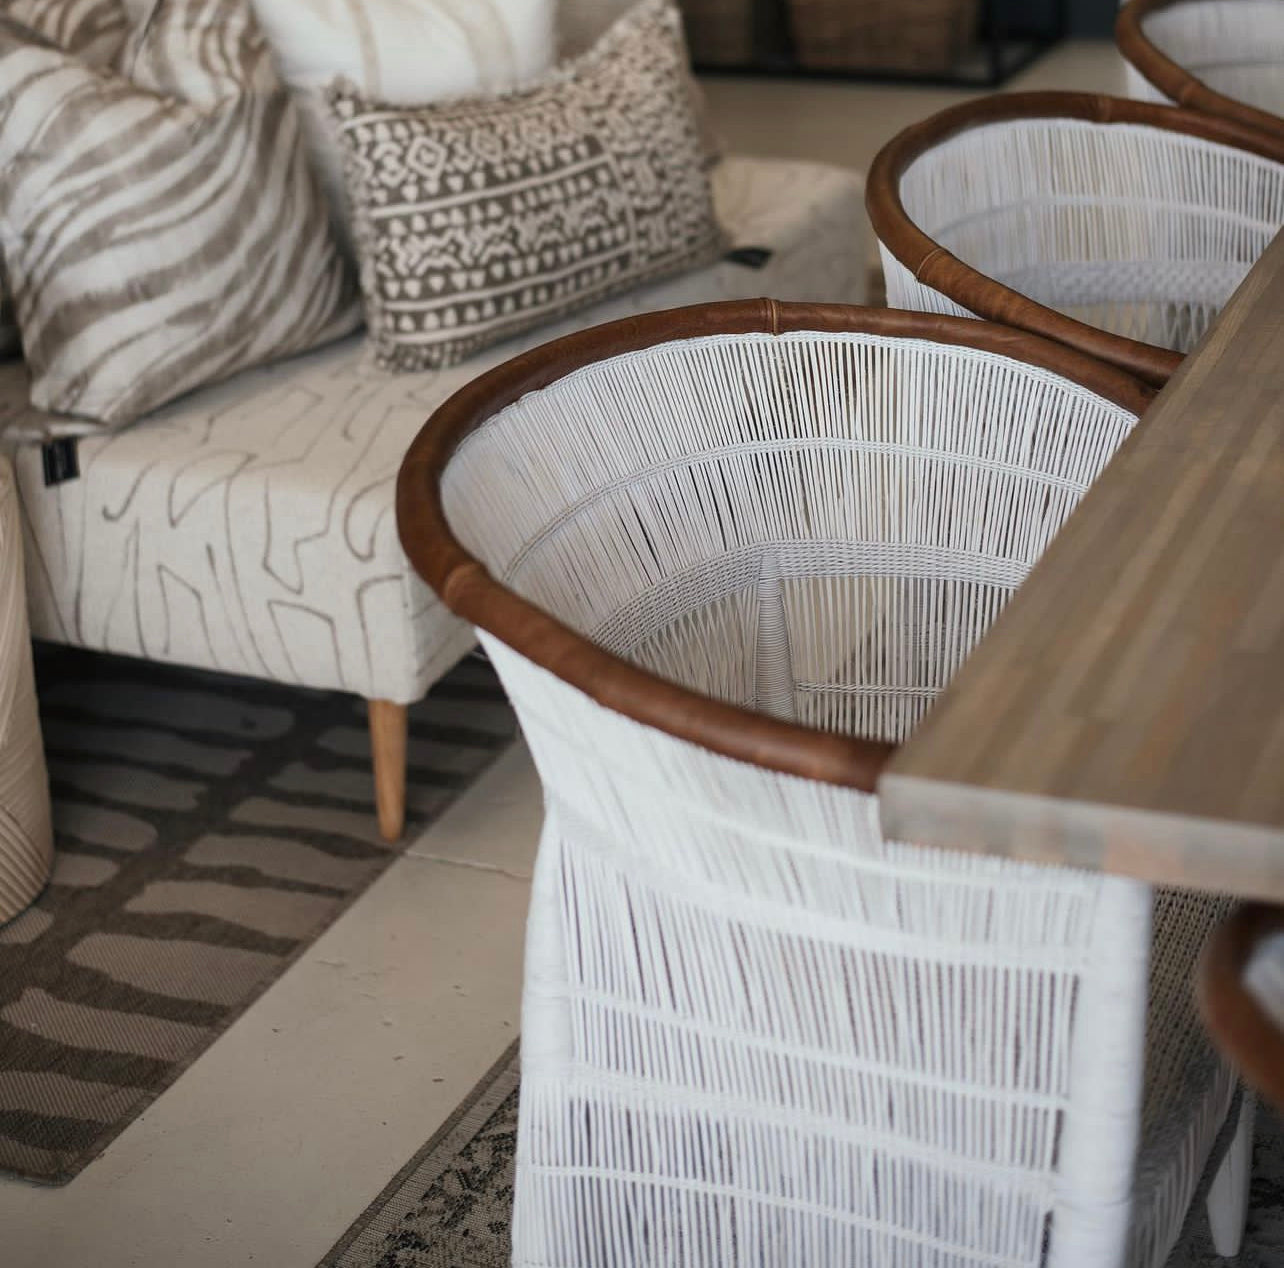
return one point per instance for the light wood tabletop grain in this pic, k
(1126, 712)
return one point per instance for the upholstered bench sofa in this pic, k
(249, 528)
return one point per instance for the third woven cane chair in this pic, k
(1118, 227)
(724, 558)
(1225, 57)
(1241, 995)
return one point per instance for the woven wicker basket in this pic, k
(900, 35)
(720, 32)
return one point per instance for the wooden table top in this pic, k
(1126, 712)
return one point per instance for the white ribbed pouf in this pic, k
(26, 833)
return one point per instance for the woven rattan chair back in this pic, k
(1117, 227)
(1224, 57)
(723, 559)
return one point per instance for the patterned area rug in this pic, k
(208, 829)
(449, 1206)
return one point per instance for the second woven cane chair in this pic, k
(1225, 57)
(724, 558)
(1118, 227)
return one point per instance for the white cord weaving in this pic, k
(756, 1032)
(1133, 229)
(1236, 47)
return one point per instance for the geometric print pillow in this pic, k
(160, 226)
(477, 219)
(477, 46)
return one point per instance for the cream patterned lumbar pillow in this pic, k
(406, 52)
(160, 226)
(95, 31)
(479, 219)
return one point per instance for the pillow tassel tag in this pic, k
(60, 461)
(749, 257)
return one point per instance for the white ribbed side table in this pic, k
(26, 833)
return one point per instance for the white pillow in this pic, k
(403, 52)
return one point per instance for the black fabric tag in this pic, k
(60, 460)
(750, 257)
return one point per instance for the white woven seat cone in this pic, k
(755, 1032)
(773, 663)
(1235, 47)
(1139, 231)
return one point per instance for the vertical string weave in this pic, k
(773, 664)
(762, 1034)
(1136, 230)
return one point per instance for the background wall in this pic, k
(1093, 17)
(1087, 17)
(583, 20)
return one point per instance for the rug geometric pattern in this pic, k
(451, 1205)
(208, 829)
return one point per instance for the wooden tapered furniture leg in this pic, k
(388, 747)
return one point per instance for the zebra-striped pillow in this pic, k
(160, 227)
(94, 30)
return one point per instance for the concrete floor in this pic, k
(277, 1138)
(848, 124)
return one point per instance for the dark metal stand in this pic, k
(1011, 35)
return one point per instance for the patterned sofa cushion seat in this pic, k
(250, 528)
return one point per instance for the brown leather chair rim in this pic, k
(469, 590)
(1173, 80)
(936, 267)
(1236, 1021)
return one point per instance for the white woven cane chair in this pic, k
(1225, 57)
(724, 558)
(1118, 227)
